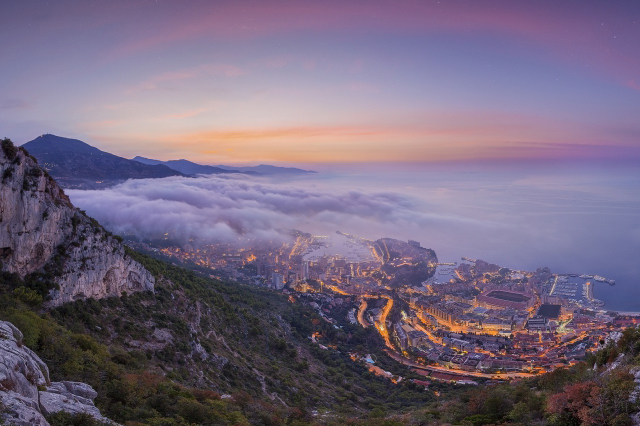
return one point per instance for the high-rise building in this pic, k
(277, 281)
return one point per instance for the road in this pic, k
(408, 362)
(428, 333)
(363, 307)
(383, 322)
(382, 329)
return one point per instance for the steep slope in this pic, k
(76, 164)
(45, 239)
(185, 166)
(202, 350)
(232, 338)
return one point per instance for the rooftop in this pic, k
(549, 311)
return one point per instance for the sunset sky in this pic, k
(302, 82)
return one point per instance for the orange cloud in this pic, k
(434, 137)
(342, 143)
(281, 133)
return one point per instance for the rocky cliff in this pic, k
(41, 232)
(27, 395)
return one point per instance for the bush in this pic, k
(28, 296)
(8, 172)
(9, 149)
(62, 418)
(27, 322)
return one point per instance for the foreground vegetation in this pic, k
(200, 351)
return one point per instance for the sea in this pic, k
(575, 218)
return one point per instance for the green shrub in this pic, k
(8, 172)
(62, 418)
(9, 149)
(28, 296)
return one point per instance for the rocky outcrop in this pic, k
(41, 231)
(72, 397)
(404, 263)
(21, 370)
(27, 395)
(21, 411)
(635, 393)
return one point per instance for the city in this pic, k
(457, 321)
(320, 213)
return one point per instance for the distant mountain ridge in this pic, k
(76, 164)
(185, 166)
(266, 169)
(189, 167)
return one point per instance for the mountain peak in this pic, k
(185, 166)
(55, 143)
(76, 164)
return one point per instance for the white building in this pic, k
(277, 281)
(304, 270)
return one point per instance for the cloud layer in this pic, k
(214, 208)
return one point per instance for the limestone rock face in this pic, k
(21, 370)
(21, 411)
(23, 375)
(72, 397)
(40, 230)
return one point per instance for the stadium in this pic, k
(502, 299)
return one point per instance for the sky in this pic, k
(326, 83)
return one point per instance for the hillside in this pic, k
(200, 351)
(51, 245)
(176, 352)
(91, 311)
(75, 164)
(195, 350)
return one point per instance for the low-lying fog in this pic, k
(572, 219)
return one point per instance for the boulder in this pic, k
(26, 392)
(21, 411)
(72, 397)
(21, 370)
